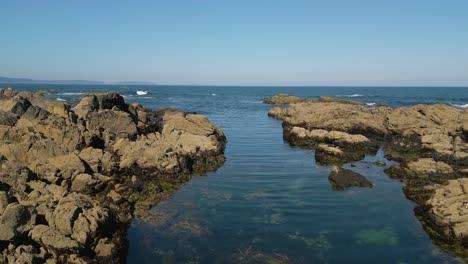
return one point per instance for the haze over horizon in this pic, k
(244, 42)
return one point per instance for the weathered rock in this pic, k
(428, 165)
(84, 183)
(429, 141)
(16, 220)
(105, 248)
(352, 119)
(99, 160)
(81, 174)
(330, 99)
(283, 99)
(7, 119)
(303, 137)
(341, 179)
(448, 208)
(326, 154)
(3, 201)
(53, 239)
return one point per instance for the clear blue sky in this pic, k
(348, 42)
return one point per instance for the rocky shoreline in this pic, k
(430, 142)
(72, 179)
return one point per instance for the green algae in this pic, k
(321, 242)
(377, 237)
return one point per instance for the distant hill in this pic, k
(6, 80)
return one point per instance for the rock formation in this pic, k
(429, 141)
(341, 179)
(71, 179)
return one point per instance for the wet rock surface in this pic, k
(341, 179)
(71, 179)
(429, 141)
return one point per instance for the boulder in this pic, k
(99, 160)
(52, 239)
(341, 179)
(448, 208)
(7, 119)
(85, 183)
(16, 220)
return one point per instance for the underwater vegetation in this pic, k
(377, 237)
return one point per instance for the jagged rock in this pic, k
(69, 165)
(7, 119)
(79, 217)
(105, 248)
(85, 183)
(14, 174)
(16, 220)
(112, 125)
(53, 239)
(283, 99)
(81, 173)
(448, 208)
(341, 179)
(99, 160)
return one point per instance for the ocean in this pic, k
(270, 201)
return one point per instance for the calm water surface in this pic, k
(270, 201)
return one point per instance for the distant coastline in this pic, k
(7, 80)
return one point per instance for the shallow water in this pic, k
(270, 201)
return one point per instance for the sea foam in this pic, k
(464, 106)
(141, 92)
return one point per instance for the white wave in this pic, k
(61, 100)
(142, 92)
(213, 94)
(370, 104)
(354, 95)
(464, 106)
(71, 93)
(170, 98)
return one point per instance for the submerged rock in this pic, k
(341, 179)
(71, 179)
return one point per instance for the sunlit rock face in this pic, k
(71, 179)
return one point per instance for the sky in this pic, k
(241, 42)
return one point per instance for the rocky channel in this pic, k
(430, 143)
(71, 179)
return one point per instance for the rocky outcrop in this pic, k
(71, 179)
(283, 99)
(429, 141)
(341, 179)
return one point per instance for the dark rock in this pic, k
(341, 179)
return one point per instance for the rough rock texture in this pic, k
(283, 99)
(429, 141)
(71, 179)
(449, 210)
(341, 179)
